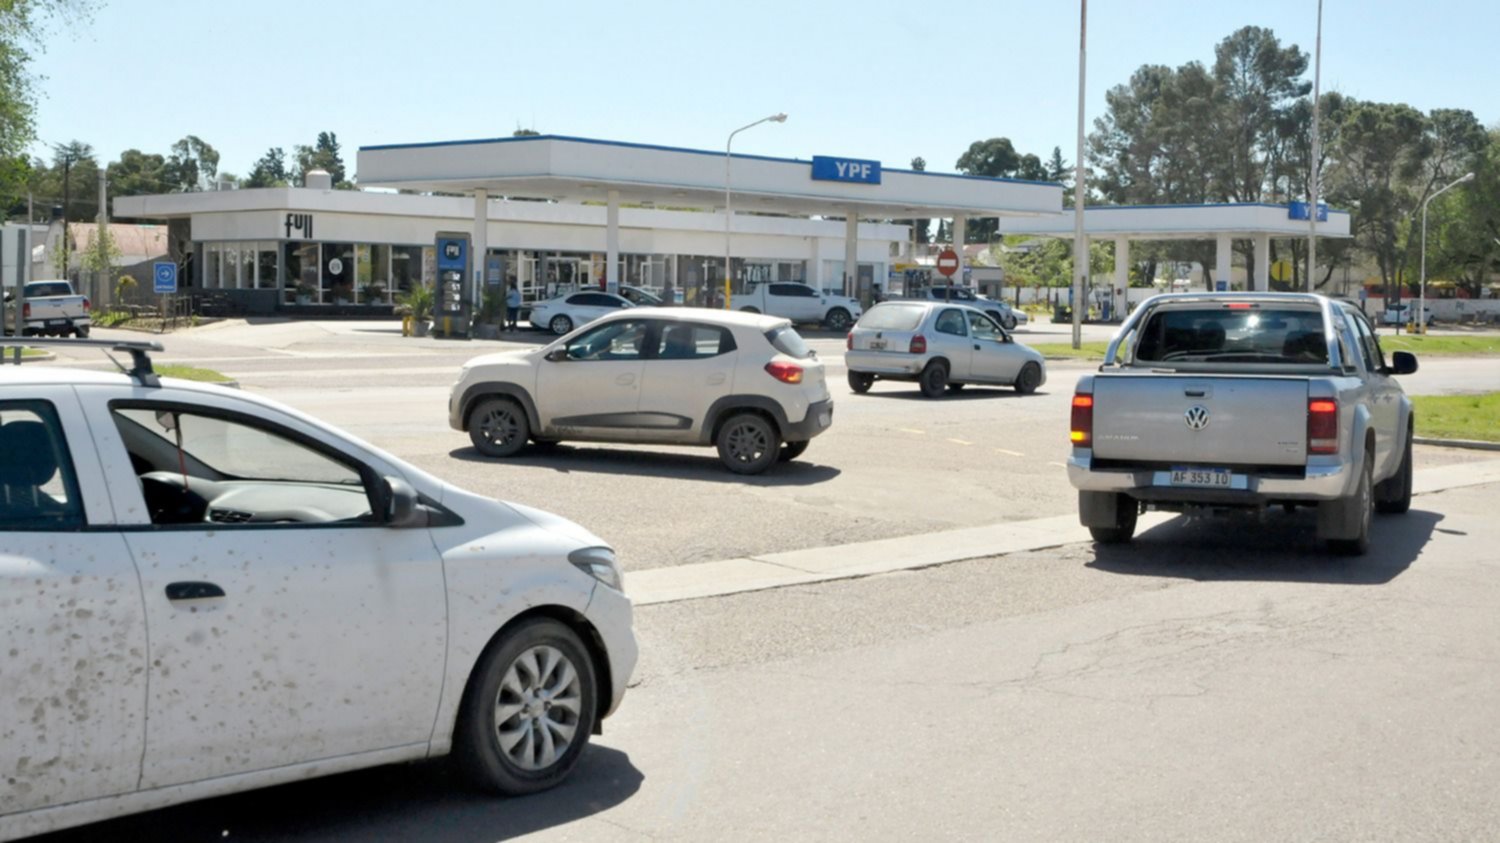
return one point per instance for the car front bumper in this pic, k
(612, 615)
(1320, 483)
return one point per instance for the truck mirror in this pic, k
(1403, 363)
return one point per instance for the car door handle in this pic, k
(716, 378)
(976, 347)
(625, 379)
(193, 590)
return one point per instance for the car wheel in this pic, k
(560, 324)
(1339, 513)
(838, 319)
(934, 380)
(81, 332)
(1127, 511)
(498, 427)
(528, 711)
(748, 310)
(748, 444)
(1010, 323)
(1029, 378)
(1393, 496)
(792, 450)
(860, 382)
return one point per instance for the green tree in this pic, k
(23, 23)
(1463, 234)
(323, 155)
(193, 165)
(996, 158)
(138, 173)
(270, 170)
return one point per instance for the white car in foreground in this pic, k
(562, 314)
(207, 592)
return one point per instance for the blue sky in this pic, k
(859, 78)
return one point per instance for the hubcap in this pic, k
(499, 427)
(561, 325)
(538, 707)
(747, 443)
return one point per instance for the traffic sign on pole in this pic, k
(947, 262)
(164, 276)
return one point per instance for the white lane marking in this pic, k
(960, 441)
(1009, 453)
(1058, 464)
(909, 430)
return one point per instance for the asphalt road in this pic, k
(1212, 681)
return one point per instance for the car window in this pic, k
(948, 292)
(1369, 344)
(639, 297)
(1234, 334)
(38, 488)
(210, 469)
(793, 290)
(686, 341)
(893, 317)
(785, 339)
(982, 327)
(623, 339)
(951, 321)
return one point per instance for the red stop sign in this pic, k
(947, 262)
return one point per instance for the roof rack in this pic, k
(140, 359)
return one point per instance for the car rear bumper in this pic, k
(885, 363)
(1319, 483)
(818, 419)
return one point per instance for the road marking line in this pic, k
(909, 430)
(1010, 453)
(960, 441)
(1058, 464)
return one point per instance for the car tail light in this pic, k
(849, 341)
(26, 310)
(85, 304)
(1322, 426)
(1083, 421)
(784, 372)
(918, 345)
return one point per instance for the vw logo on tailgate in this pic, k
(1196, 417)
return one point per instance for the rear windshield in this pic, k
(785, 339)
(1219, 334)
(893, 317)
(48, 288)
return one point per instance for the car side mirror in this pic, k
(400, 507)
(558, 355)
(1403, 363)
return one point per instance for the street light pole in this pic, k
(1421, 322)
(1312, 184)
(1080, 247)
(728, 208)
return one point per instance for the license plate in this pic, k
(56, 322)
(877, 345)
(1211, 478)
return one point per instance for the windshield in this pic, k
(893, 317)
(785, 339)
(48, 288)
(1223, 333)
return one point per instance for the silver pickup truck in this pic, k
(1217, 401)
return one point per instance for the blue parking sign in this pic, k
(164, 274)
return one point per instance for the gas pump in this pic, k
(454, 292)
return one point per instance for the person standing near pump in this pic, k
(512, 306)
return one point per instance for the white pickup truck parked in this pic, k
(51, 308)
(799, 303)
(1210, 402)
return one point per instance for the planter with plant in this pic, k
(372, 293)
(417, 303)
(305, 293)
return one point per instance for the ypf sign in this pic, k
(858, 170)
(947, 262)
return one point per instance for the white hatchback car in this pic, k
(941, 346)
(564, 313)
(207, 592)
(744, 383)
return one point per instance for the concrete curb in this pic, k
(908, 553)
(1457, 443)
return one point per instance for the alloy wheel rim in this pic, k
(499, 427)
(747, 443)
(560, 325)
(538, 708)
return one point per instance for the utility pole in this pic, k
(1312, 184)
(102, 288)
(1080, 245)
(67, 165)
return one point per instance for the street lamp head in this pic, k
(781, 118)
(1466, 176)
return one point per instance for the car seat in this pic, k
(678, 344)
(27, 463)
(1305, 346)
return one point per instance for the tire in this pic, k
(498, 427)
(792, 450)
(837, 319)
(861, 382)
(748, 310)
(1009, 324)
(748, 444)
(535, 689)
(1126, 513)
(1363, 500)
(81, 332)
(1029, 378)
(1393, 496)
(560, 325)
(934, 379)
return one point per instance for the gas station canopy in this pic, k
(1185, 222)
(569, 169)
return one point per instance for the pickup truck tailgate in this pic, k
(1179, 419)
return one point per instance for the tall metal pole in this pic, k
(1312, 184)
(1421, 320)
(728, 207)
(102, 288)
(1080, 247)
(67, 165)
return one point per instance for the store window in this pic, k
(301, 260)
(265, 273)
(406, 267)
(212, 252)
(338, 273)
(377, 289)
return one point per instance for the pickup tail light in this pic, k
(784, 372)
(1083, 421)
(26, 310)
(918, 345)
(1322, 426)
(849, 341)
(86, 304)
